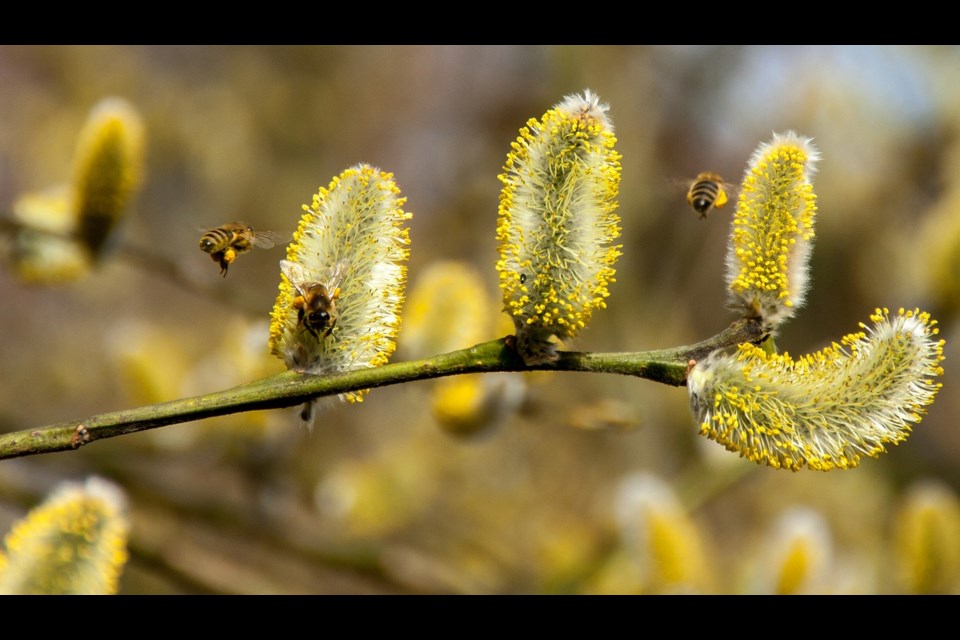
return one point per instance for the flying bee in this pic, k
(707, 191)
(226, 242)
(316, 302)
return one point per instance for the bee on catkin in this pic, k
(316, 305)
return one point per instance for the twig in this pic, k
(668, 366)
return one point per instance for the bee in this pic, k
(706, 192)
(226, 242)
(316, 302)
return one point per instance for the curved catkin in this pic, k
(773, 230)
(825, 410)
(557, 223)
(74, 543)
(354, 241)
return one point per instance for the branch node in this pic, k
(80, 437)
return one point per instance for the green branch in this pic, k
(668, 366)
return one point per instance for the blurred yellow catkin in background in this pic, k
(63, 231)
(73, 543)
(926, 539)
(449, 308)
(661, 550)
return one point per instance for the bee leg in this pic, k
(229, 255)
(307, 414)
(329, 328)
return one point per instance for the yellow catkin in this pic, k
(773, 230)
(660, 538)
(926, 540)
(64, 229)
(825, 410)
(353, 240)
(108, 169)
(557, 224)
(73, 543)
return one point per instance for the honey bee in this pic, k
(316, 302)
(226, 242)
(707, 191)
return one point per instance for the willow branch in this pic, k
(287, 389)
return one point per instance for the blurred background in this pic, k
(559, 483)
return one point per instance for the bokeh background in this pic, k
(570, 482)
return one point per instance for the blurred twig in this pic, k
(154, 264)
(668, 366)
(148, 261)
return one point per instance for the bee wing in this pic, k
(726, 191)
(676, 187)
(267, 239)
(295, 273)
(335, 276)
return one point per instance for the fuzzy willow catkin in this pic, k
(773, 230)
(74, 543)
(825, 410)
(108, 169)
(448, 308)
(799, 556)
(926, 539)
(64, 229)
(661, 538)
(557, 224)
(352, 241)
